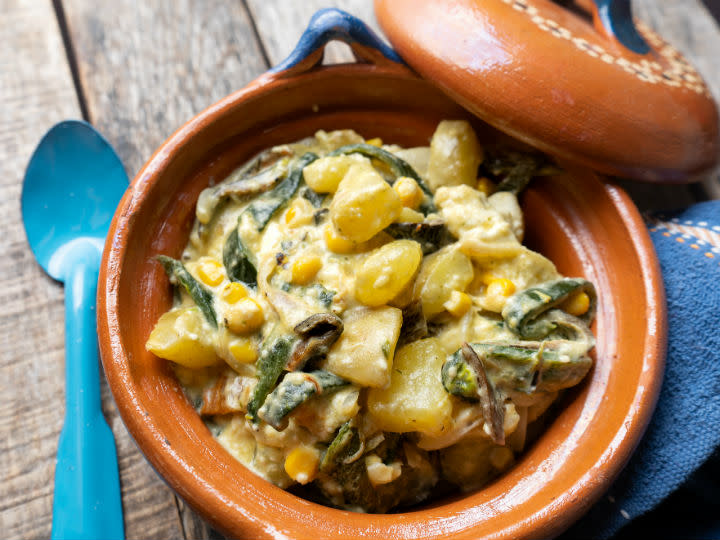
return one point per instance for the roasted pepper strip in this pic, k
(237, 260)
(398, 166)
(346, 442)
(414, 325)
(431, 235)
(236, 257)
(264, 207)
(523, 311)
(274, 354)
(523, 368)
(178, 274)
(318, 332)
(295, 389)
(515, 168)
(241, 183)
(350, 473)
(490, 401)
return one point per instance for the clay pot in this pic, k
(586, 225)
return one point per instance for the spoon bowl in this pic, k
(72, 185)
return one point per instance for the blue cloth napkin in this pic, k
(671, 486)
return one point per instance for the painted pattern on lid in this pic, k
(671, 69)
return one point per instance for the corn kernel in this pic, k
(301, 464)
(336, 242)
(244, 351)
(501, 457)
(245, 316)
(209, 271)
(300, 213)
(486, 186)
(234, 291)
(577, 304)
(501, 286)
(379, 473)
(377, 141)
(290, 214)
(458, 304)
(304, 268)
(497, 293)
(408, 215)
(486, 278)
(409, 191)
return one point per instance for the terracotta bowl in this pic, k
(586, 225)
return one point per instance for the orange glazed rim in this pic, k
(591, 229)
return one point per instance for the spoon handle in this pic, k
(87, 503)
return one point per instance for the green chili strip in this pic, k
(296, 388)
(264, 207)
(274, 354)
(523, 311)
(236, 257)
(239, 184)
(201, 296)
(524, 368)
(431, 235)
(516, 168)
(491, 403)
(346, 443)
(237, 260)
(519, 175)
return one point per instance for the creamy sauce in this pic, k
(398, 429)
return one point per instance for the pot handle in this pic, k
(334, 24)
(613, 19)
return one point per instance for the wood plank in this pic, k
(36, 90)
(146, 68)
(281, 23)
(687, 25)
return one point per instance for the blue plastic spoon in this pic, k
(72, 186)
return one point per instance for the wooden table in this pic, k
(137, 71)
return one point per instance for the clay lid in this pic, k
(573, 79)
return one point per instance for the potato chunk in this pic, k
(183, 336)
(483, 232)
(387, 271)
(415, 399)
(455, 155)
(442, 273)
(325, 174)
(506, 204)
(467, 463)
(364, 352)
(364, 203)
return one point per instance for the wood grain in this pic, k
(687, 25)
(146, 68)
(36, 90)
(281, 23)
